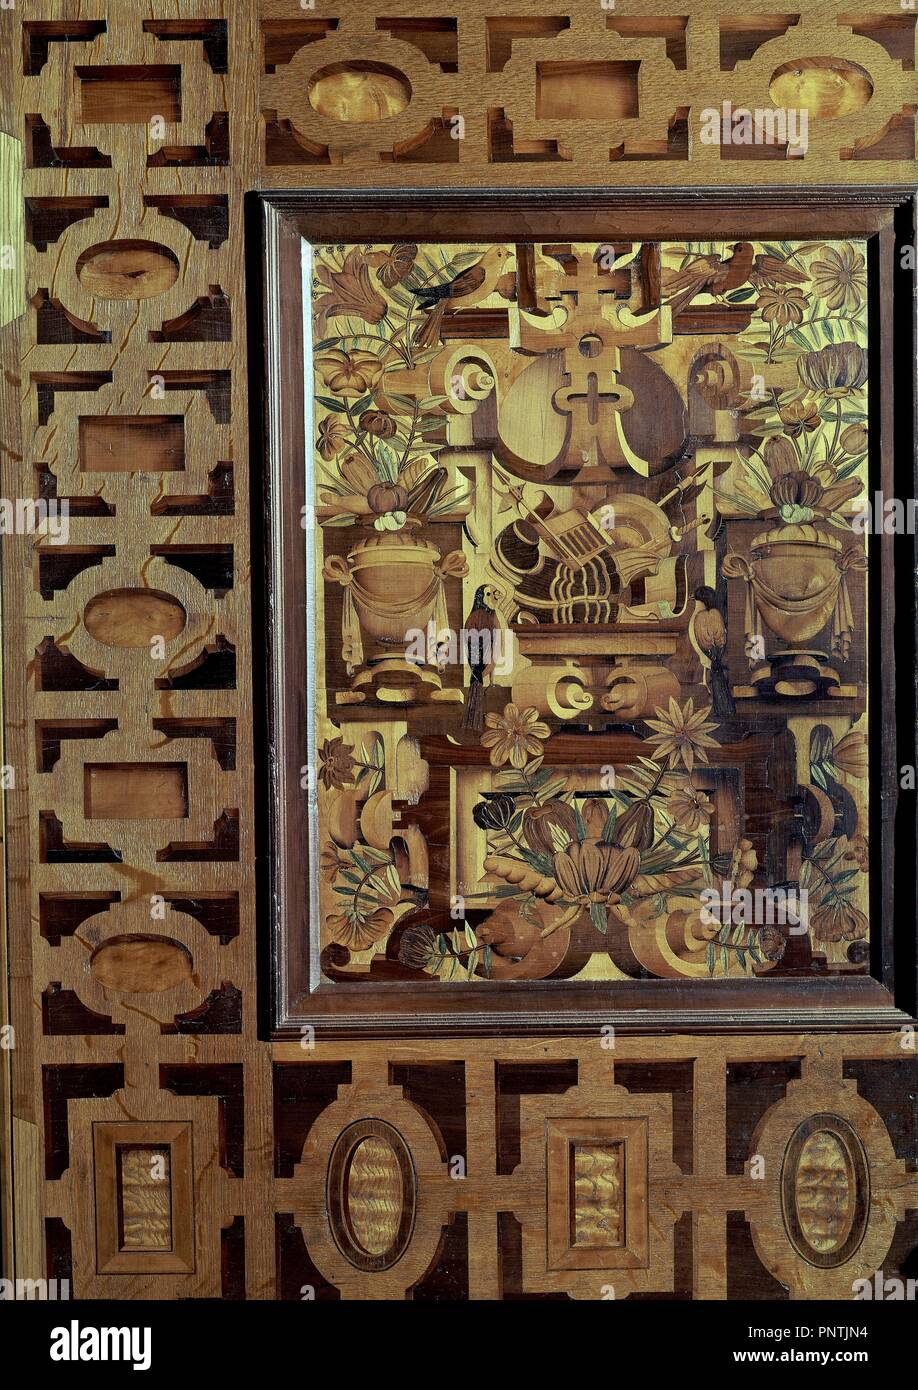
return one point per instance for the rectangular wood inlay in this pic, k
(597, 1194)
(132, 443)
(135, 791)
(145, 1197)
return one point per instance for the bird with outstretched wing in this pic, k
(711, 274)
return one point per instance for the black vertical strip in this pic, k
(905, 549)
(879, 672)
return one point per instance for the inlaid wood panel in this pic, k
(162, 1147)
(144, 1198)
(650, 97)
(128, 642)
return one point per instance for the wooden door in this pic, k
(351, 956)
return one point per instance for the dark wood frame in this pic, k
(295, 998)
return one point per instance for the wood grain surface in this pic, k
(768, 1164)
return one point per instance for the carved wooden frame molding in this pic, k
(277, 223)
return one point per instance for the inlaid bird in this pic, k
(708, 635)
(480, 626)
(776, 271)
(474, 283)
(709, 275)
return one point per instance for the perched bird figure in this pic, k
(465, 283)
(773, 270)
(709, 275)
(708, 635)
(476, 282)
(480, 626)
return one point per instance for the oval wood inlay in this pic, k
(822, 86)
(357, 93)
(374, 1195)
(371, 1194)
(131, 617)
(127, 270)
(140, 964)
(825, 1190)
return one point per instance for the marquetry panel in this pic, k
(128, 641)
(573, 1168)
(162, 1148)
(580, 92)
